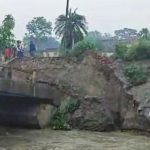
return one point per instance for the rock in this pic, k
(92, 115)
(133, 121)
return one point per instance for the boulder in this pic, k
(134, 121)
(92, 115)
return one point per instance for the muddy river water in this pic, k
(23, 139)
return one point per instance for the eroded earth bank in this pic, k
(106, 101)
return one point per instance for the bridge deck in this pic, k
(6, 97)
(11, 91)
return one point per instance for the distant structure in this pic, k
(50, 52)
(125, 35)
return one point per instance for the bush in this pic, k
(136, 51)
(131, 53)
(59, 120)
(120, 50)
(136, 75)
(81, 47)
(143, 49)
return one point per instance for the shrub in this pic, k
(143, 49)
(81, 47)
(59, 120)
(136, 51)
(136, 75)
(131, 53)
(120, 50)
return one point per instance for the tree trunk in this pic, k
(67, 8)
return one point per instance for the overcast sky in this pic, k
(102, 15)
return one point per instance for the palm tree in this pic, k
(76, 28)
(144, 34)
(67, 8)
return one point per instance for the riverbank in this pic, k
(47, 139)
(95, 94)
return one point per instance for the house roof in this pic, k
(50, 50)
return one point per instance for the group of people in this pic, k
(18, 51)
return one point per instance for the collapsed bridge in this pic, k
(25, 104)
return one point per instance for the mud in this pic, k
(23, 139)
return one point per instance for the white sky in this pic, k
(102, 15)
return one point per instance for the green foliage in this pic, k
(59, 120)
(136, 74)
(126, 34)
(131, 53)
(71, 28)
(144, 34)
(81, 47)
(96, 38)
(136, 51)
(121, 49)
(9, 22)
(143, 49)
(39, 28)
(6, 35)
(71, 106)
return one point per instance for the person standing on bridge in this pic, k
(19, 50)
(32, 49)
(7, 53)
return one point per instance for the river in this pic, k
(23, 139)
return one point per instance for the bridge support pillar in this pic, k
(26, 114)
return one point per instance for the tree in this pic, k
(144, 34)
(96, 38)
(81, 47)
(67, 8)
(6, 35)
(107, 36)
(39, 28)
(126, 33)
(46, 43)
(76, 28)
(9, 22)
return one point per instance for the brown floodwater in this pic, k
(47, 139)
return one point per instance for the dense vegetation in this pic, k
(39, 30)
(7, 38)
(59, 120)
(136, 51)
(136, 74)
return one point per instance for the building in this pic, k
(51, 52)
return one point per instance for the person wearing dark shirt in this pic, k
(20, 50)
(32, 49)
